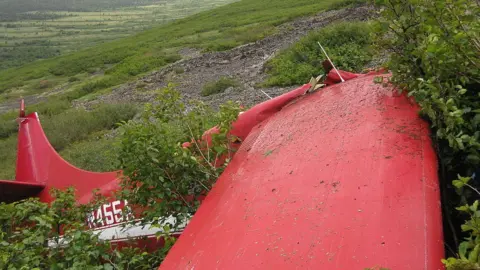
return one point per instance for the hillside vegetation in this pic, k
(72, 26)
(220, 29)
(10, 8)
(93, 71)
(348, 44)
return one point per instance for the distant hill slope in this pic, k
(116, 62)
(8, 8)
(60, 29)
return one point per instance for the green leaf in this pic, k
(474, 207)
(473, 159)
(473, 256)
(462, 250)
(108, 266)
(458, 184)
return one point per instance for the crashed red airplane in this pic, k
(350, 181)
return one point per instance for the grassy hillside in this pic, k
(122, 60)
(99, 68)
(39, 35)
(10, 8)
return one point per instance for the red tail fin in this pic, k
(40, 166)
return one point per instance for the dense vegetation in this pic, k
(26, 52)
(166, 154)
(155, 162)
(44, 34)
(10, 8)
(347, 44)
(35, 235)
(436, 58)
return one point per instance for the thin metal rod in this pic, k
(321, 47)
(266, 94)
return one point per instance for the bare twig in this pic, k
(266, 94)
(198, 147)
(321, 47)
(472, 188)
(175, 189)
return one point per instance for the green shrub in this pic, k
(29, 226)
(51, 107)
(347, 44)
(9, 125)
(219, 86)
(179, 70)
(154, 162)
(436, 58)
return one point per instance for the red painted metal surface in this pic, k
(38, 164)
(344, 178)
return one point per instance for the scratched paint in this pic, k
(352, 183)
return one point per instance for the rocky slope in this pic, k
(245, 64)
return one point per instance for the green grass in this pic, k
(33, 37)
(348, 45)
(219, 86)
(93, 154)
(8, 155)
(76, 124)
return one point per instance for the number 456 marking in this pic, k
(109, 214)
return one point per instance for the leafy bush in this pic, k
(154, 162)
(219, 86)
(347, 44)
(436, 57)
(35, 235)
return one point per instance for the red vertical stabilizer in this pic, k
(40, 168)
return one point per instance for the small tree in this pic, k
(163, 177)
